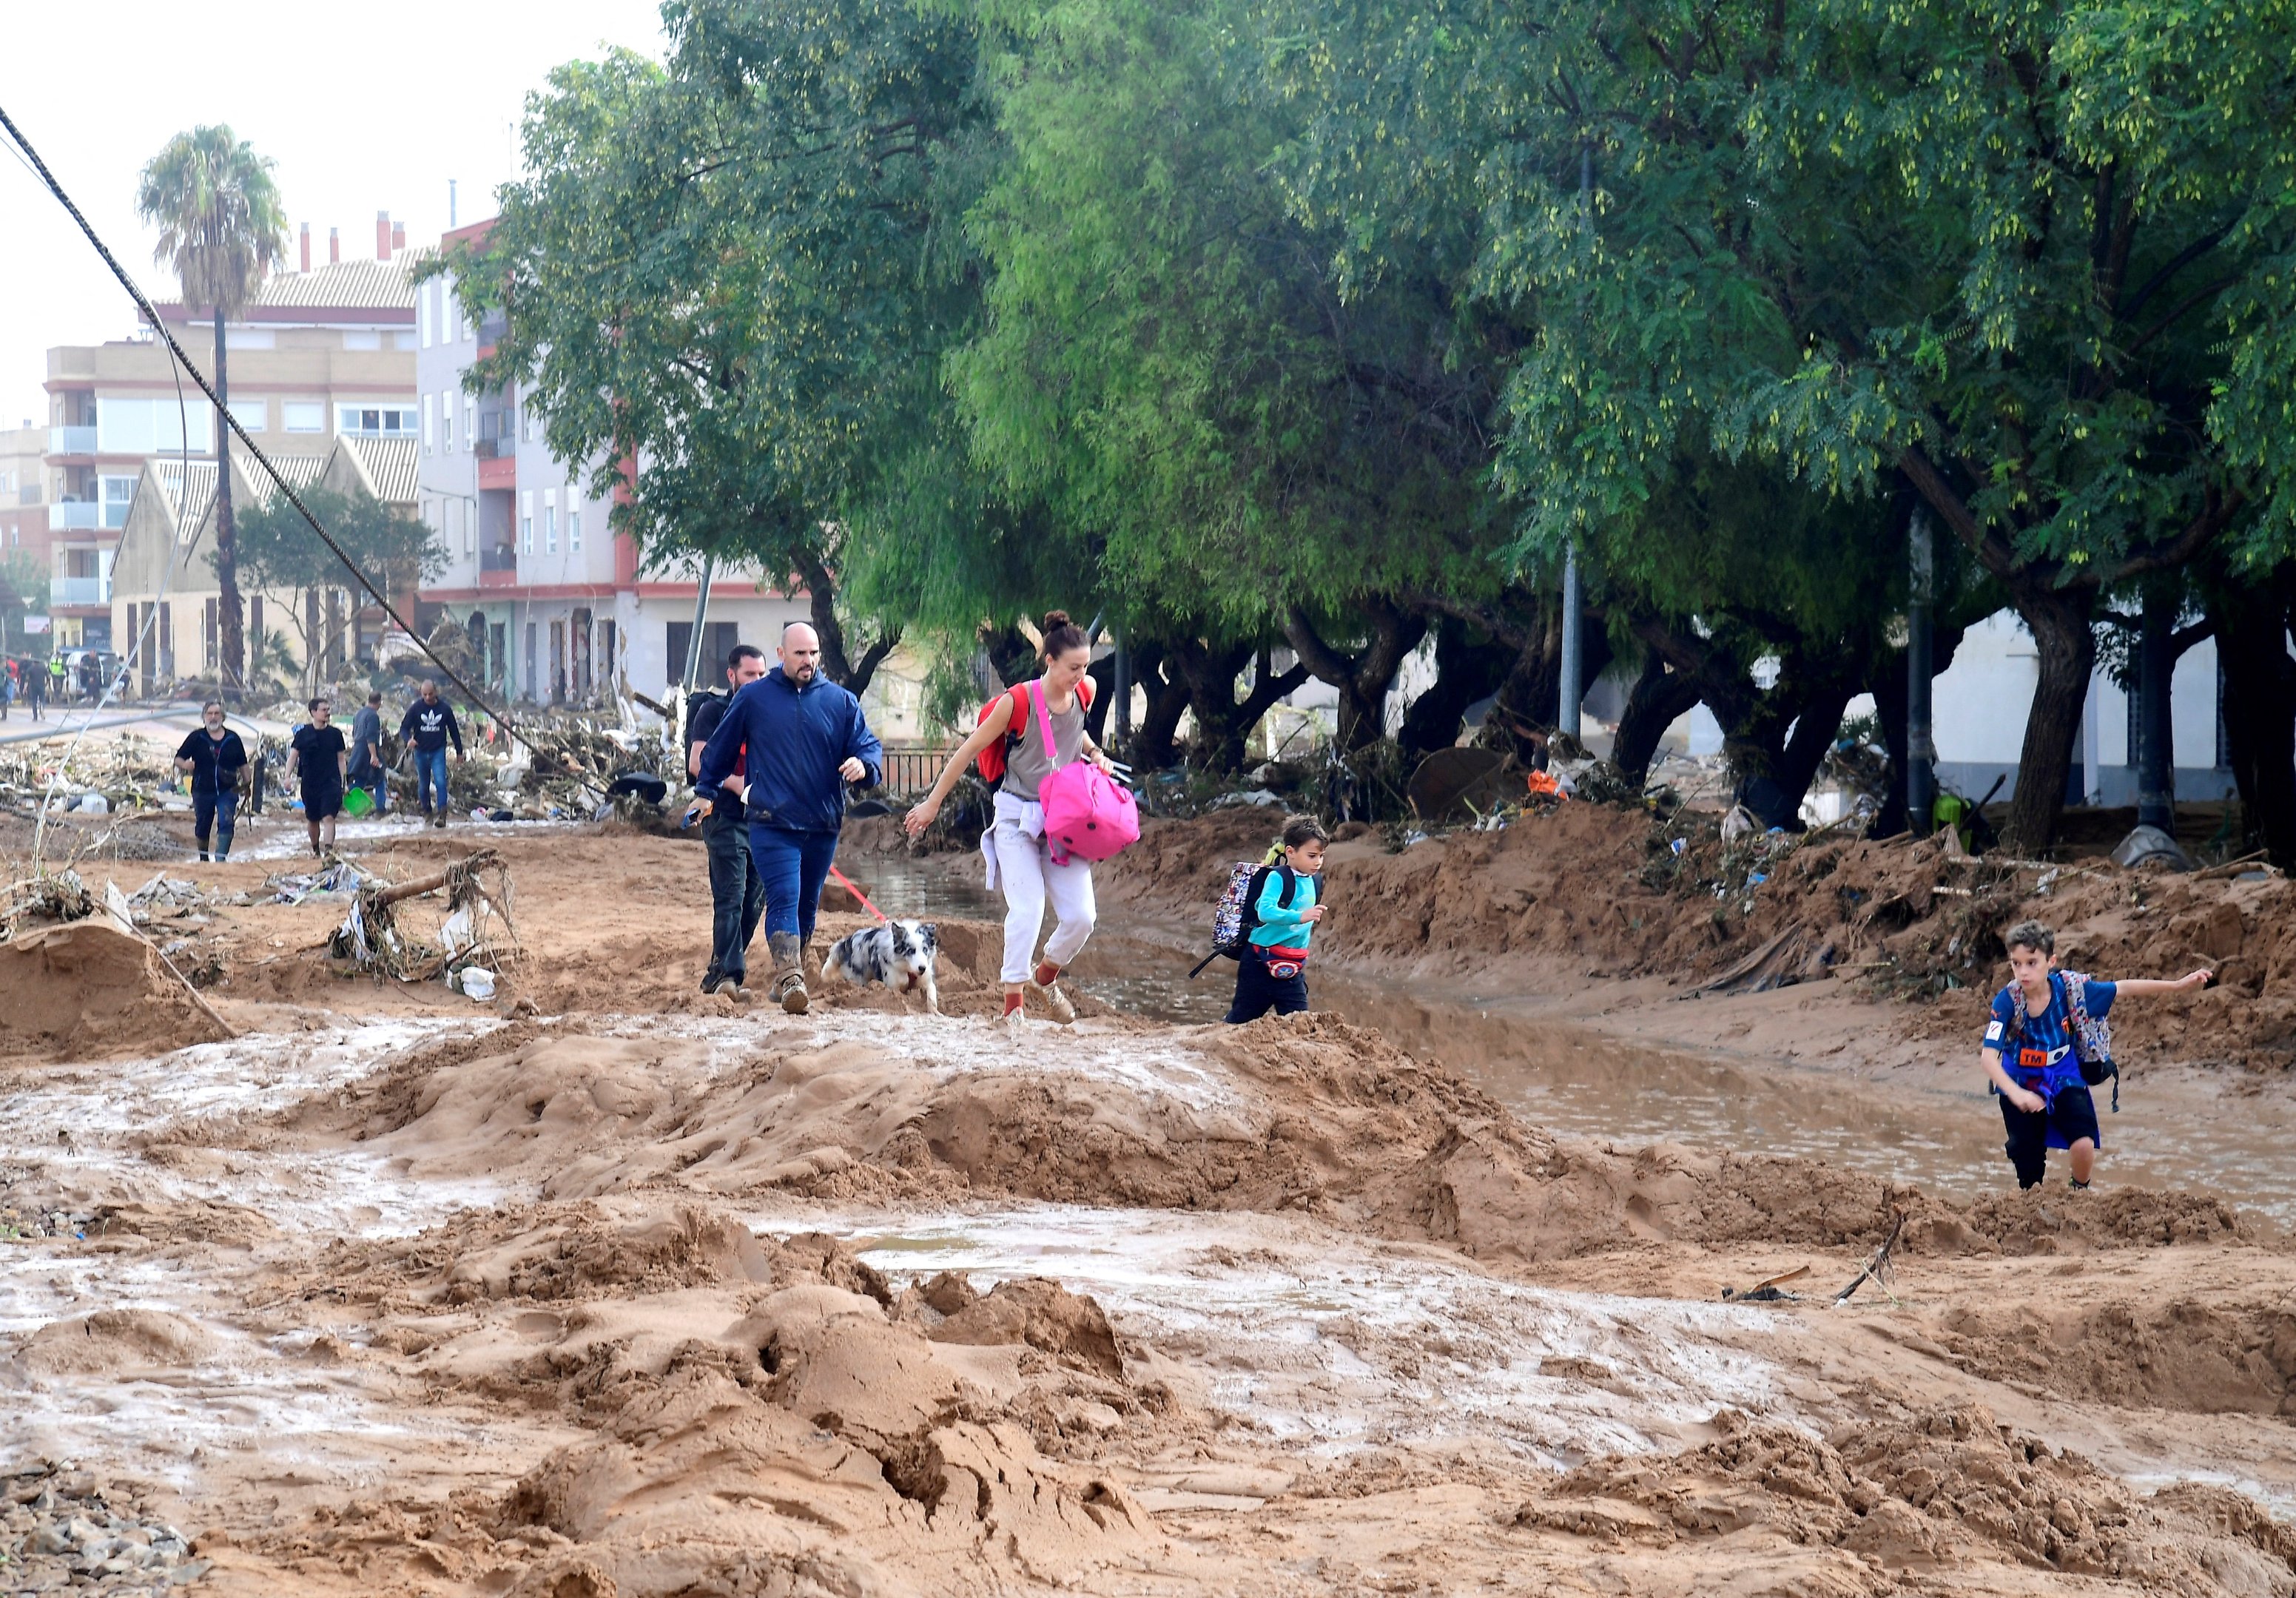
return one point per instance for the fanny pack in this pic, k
(1283, 964)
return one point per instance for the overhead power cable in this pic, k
(255, 451)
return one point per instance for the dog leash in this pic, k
(882, 918)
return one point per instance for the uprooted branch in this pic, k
(477, 890)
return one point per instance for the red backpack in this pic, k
(990, 761)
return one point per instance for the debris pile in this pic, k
(474, 936)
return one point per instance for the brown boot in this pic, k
(789, 971)
(1046, 980)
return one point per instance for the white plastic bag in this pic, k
(479, 983)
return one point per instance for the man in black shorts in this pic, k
(319, 752)
(213, 758)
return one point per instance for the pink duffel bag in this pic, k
(1088, 815)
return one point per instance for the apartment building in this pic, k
(555, 604)
(326, 352)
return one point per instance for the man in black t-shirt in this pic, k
(737, 894)
(319, 752)
(213, 758)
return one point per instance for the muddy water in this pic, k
(1935, 1126)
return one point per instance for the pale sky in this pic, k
(368, 108)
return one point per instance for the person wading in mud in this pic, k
(796, 740)
(428, 723)
(213, 758)
(1020, 861)
(2045, 1025)
(366, 751)
(737, 893)
(1271, 970)
(318, 750)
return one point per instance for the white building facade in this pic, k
(557, 610)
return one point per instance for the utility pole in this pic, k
(1920, 747)
(1574, 685)
(2156, 765)
(1121, 710)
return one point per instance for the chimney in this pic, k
(383, 235)
(307, 246)
(334, 245)
(397, 236)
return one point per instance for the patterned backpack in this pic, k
(2092, 1035)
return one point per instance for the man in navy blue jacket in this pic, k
(806, 739)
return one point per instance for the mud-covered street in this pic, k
(605, 1287)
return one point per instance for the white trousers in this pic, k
(1020, 862)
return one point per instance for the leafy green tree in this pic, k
(1168, 365)
(222, 229)
(278, 553)
(738, 271)
(2020, 259)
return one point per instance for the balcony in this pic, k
(71, 441)
(491, 449)
(500, 473)
(76, 516)
(498, 566)
(79, 591)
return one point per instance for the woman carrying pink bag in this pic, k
(1032, 736)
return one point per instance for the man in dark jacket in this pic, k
(737, 894)
(429, 722)
(366, 751)
(806, 739)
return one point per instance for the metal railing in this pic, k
(78, 591)
(912, 768)
(498, 557)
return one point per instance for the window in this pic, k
(427, 436)
(357, 339)
(402, 341)
(447, 423)
(304, 417)
(526, 523)
(470, 517)
(550, 520)
(149, 426)
(527, 424)
(573, 527)
(468, 411)
(422, 319)
(253, 415)
(375, 421)
(119, 493)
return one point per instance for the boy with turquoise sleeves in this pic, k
(1271, 969)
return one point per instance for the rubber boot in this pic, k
(789, 971)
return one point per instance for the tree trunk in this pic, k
(836, 665)
(231, 638)
(1815, 731)
(2259, 707)
(1659, 694)
(1167, 691)
(2059, 621)
(1363, 680)
(1223, 722)
(1464, 672)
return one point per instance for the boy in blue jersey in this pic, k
(2043, 1026)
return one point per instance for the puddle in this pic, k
(1332, 1343)
(278, 834)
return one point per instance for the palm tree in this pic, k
(223, 230)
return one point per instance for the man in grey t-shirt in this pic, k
(366, 751)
